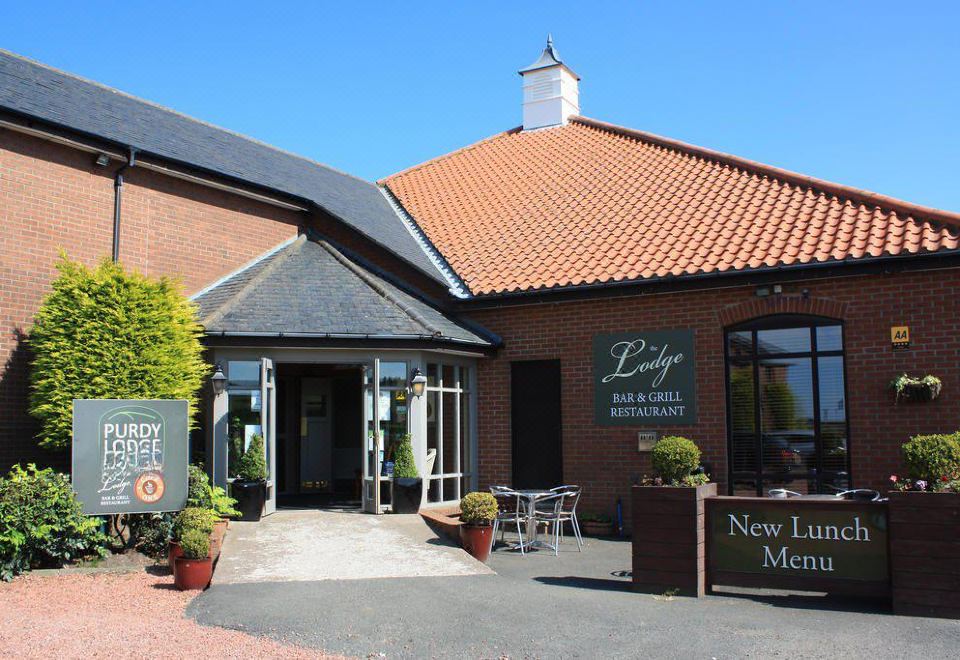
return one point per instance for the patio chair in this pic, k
(568, 512)
(549, 510)
(510, 509)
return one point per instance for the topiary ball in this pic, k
(674, 458)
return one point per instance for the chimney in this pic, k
(550, 94)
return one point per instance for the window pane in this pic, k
(742, 418)
(786, 413)
(449, 380)
(243, 373)
(829, 338)
(393, 419)
(465, 446)
(432, 430)
(450, 487)
(803, 485)
(432, 375)
(243, 421)
(393, 374)
(783, 340)
(833, 418)
(745, 487)
(449, 432)
(434, 494)
(740, 344)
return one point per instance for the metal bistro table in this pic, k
(532, 542)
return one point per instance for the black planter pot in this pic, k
(250, 496)
(406, 494)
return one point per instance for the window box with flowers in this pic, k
(925, 528)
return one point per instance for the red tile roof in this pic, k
(591, 203)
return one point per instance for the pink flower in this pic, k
(893, 478)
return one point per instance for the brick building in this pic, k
(569, 289)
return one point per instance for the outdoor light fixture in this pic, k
(103, 160)
(218, 381)
(417, 382)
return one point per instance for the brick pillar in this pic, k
(669, 552)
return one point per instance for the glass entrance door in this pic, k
(373, 441)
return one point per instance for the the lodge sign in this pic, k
(808, 540)
(130, 456)
(644, 378)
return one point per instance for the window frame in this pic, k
(755, 358)
(463, 388)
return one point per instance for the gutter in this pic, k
(346, 335)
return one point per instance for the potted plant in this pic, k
(407, 485)
(908, 388)
(249, 489)
(924, 512)
(596, 524)
(192, 517)
(194, 569)
(668, 521)
(477, 512)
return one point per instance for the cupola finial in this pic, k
(550, 90)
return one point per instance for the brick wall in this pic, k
(605, 459)
(53, 198)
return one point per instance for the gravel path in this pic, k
(133, 615)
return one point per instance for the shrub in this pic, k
(150, 532)
(196, 518)
(675, 458)
(195, 544)
(478, 509)
(198, 488)
(403, 465)
(253, 464)
(223, 503)
(108, 334)
(930, 458)
(41, 524)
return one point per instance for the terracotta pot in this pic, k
(477, 540)
(173, 551)
(192, 574)
(215, 545)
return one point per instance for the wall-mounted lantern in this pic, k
(418, 383)
(218, 381)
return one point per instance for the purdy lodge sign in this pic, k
(130, 456)
(645, 378)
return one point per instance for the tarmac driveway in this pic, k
(577, 605)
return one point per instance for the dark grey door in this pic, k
(535, 420)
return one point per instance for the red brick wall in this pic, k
(605, 459)
(53, 198)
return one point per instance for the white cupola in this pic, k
(550, 91)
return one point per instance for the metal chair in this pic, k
(510, 509)
(568, 512)
(548, 509)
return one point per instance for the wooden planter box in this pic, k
(668, 539)
(925, 553)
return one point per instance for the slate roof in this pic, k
(67, 101)
(592, 203)
(308, 288)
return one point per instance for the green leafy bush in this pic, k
(108, 334)
(196, 518)
(403, 465)
(150, 532)
(253, 464)
(675, 458)
(202, 494)
(41, 524)
(478, 509)
(934, 459)
(223, 503)
(195, 544)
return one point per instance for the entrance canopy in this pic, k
(310, 289)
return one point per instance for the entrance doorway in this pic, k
(535, 420)
(319, 446)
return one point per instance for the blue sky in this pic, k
(865, 94)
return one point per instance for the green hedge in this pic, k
(104, 333)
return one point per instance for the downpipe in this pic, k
(118, 200)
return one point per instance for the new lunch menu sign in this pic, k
(644, 378)
(130, 455)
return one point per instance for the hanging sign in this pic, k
(644, 378)
(130, 455)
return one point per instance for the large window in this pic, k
(449, 431)
(786, 406)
